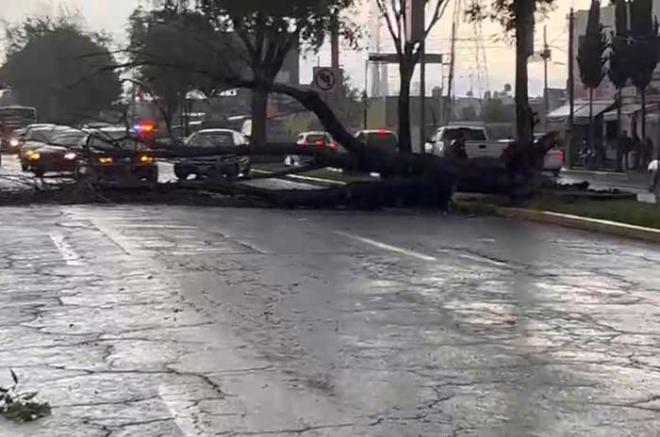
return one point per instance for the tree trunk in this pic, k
(524, 10)
(618, 113)
(259, 113)
(405, 140)
(590, 136)
(643, 93)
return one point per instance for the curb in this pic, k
(583, 223)
(304, 178)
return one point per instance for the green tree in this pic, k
(176, 50)
(268, 32)
(517, 16)
(591, 60)
(643, 49)
(494, 111)
(617, 67)
(408, 53)
(59, 69)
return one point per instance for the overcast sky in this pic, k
(111, 16)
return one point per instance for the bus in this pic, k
(12, 118)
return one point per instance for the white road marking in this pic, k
(388, 247)
(67, 252)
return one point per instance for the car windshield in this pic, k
(384, 140)
(468, 134)
(68, 139)
(316, 138)
(42, 135)
(113, 139)
(212, 139)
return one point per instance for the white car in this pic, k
(311, 139)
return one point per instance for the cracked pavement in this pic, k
(194, 322)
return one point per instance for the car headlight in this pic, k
(105, 160)
(33, 155)
(70, 156)
(146, 159)
(14, 142)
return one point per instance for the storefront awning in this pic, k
(560, 115)
(582, 115)
(630, 109)
(626, 111)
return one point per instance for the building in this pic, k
(604, 105)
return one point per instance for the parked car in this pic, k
(311, 140)
(61, 154)
(214, 165)
(554, 158)
(113, 156)
(382, 140)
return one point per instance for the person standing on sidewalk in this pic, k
(636, 150)
(647, 155)
(624, 144)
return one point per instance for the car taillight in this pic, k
(561, 155)
(383, 132)
(105, 160)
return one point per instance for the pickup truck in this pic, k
(477, 143)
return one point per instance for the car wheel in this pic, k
(246, 172)
(555, 173)
(24, 166)
(181, 174)
(39, 172)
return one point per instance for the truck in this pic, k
(479, 145)
(477, 141)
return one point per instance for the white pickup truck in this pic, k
(478, 145)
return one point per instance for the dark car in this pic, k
(214, 165)
(379, 140)
(36, 137)
(113, 156)
(61, 154)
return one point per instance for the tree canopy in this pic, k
(591, 49)
(56, 67)
(268, 32)
(176, 50)
(408, 53)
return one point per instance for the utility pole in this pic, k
(422, 83)
(334, 41)
(452, 67)
(571, 88)
(545, 55)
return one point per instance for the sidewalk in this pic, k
(633, 181)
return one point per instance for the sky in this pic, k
(111, 16)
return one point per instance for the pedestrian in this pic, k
(457, 148)
(624, 143)
(647, 156)
(636, 150)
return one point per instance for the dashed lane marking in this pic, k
(65, 249)
(388, 247)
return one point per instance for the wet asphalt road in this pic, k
(187, 322)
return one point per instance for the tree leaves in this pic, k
(59, 69)
(591, 49)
